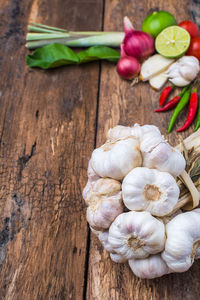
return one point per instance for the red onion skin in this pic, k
(128, 67)
(138, 44)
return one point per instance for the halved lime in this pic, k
(172, 42)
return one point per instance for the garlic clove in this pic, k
(165, 158)
(117, 258)
(183, 241)
(158, 81)
(148, 268)
(179, 81)
(154, 65)
(148, 135)
(118, 132)
(116, 159)
(136, 235)
(104, 202)
(150, 190)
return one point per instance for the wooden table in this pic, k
(50, 121)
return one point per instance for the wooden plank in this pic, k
(47, 132)
(122, 104)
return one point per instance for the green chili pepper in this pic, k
(198, 117)
(183, 102)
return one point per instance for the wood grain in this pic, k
(122, 104)
(47, 132)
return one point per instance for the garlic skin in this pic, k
(183, 241)
(116, 159)
(117, 258)
(92, 177)
(165, 158)
(119, 132)
(149, 137)
(183, 71)
(150, 267)
(136, 235)
(104, 202)
(103, 238)
(156, 152)
(150, 190)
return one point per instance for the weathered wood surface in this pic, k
(49, 122)
(120, 104)
(47, 132)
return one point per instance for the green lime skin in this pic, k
(155, 22)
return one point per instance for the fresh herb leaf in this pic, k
(56, 55)
(52, 56)
(98, 52)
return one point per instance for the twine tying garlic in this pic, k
(133, 202)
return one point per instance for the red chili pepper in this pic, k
(172, 102)
(192, 110)
(169, 104)
(165, 93)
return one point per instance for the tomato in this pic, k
(194, 49)
(191, 27)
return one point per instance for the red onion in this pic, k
(137, 44)
(128, 67)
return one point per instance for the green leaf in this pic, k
(98, 52)
(52, 56)
(56, 55)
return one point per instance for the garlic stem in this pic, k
(193, 190)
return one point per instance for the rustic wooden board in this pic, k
(122, 104)
(47, 132)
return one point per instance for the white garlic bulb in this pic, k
(183, 71)
(119, 132)
(92, 177)
(156, 152)
(116, 159)
(148, 135)
(183, 241)
(150, 267)
(105, 203)
(136, 235)
(165, 158)
(117, 258)
(150, 190)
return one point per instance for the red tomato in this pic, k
(191, 27)
(194, 49)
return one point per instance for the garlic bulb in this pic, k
(105, 203)
(156, 152)
(136, 235)
(183, 71)
(150, 267)
(92, 177)
(117, 258)
(119, 132)
(183, 241)
(165, 158)
(148, 135)
(150, 190)
(116, 159)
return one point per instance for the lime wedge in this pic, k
(172, 42)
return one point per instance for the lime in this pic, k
(157, 21)
(172, 42)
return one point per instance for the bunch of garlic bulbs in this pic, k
(133, 206)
